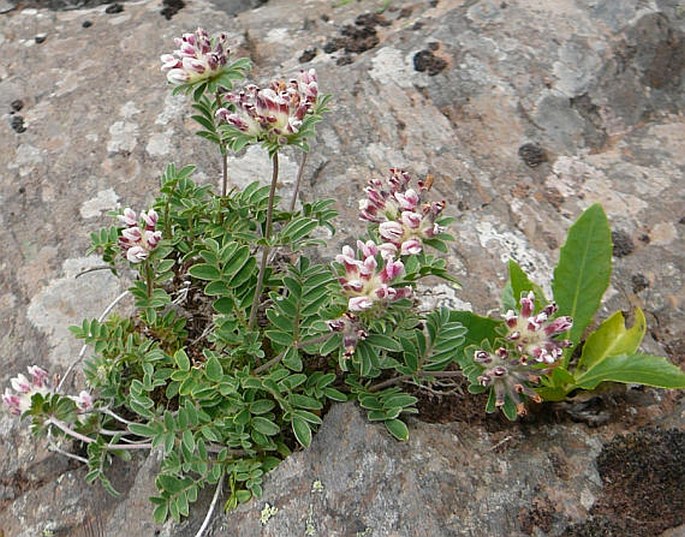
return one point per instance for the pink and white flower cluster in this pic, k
(509, 376)
(532, 334)
(352, 331)
(404, 220)
(197, 58)
(365, 282)
(273, 113)
(18, 398)
(139, 238)
(532, 352)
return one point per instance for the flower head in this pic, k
(140, 237)
(18, 398)
(365, 282)
(403, 219)
(198, 57)
(509, 375)
(84, 401)
(533, 334)
(274, 113)
(352, 331)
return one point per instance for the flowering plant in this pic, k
(240, 340)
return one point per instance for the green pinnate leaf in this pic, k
(582, 275)
(182, 360)
(398, 429)
(205, 271)
(302, 431)
(265, 426)
(213, 369)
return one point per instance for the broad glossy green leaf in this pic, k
(584, 269)
(613, 338)
(635, 368)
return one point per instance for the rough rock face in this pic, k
(525, 113)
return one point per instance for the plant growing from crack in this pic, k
(240, 340)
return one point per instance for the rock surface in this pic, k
(525, 113)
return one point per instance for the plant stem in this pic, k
(224, 155)
(298, 345)
(224, 170)
(397, 380)
(148, 278)
(82, 353)
(208, 516)
(300, 173)
(267, 236)
(62, 426)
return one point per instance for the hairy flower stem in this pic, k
(148, 278)
(64, 427)
(300, 173)
(224, 170)
(224, 155)
(267, 236)
(403, 378)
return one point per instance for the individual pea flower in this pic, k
(84, 401)
(510, 376)
(139, 237)
(364, 282)
(352, 331)
(403, 219)
(273, 114)
(198, 57)
(533, 334)
(18, 398)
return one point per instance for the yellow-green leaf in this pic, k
(634, 369)
(612, 338)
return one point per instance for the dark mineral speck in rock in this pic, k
(16, 105)
(532, 154)
(426, 61)
(40, 38)
(171, 7)
(114, 8)
(623, 244)
(87, 24)
(345, 59)
(307, 56)
(639, 282)
(17, 124)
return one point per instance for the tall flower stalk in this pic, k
(267, 236)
